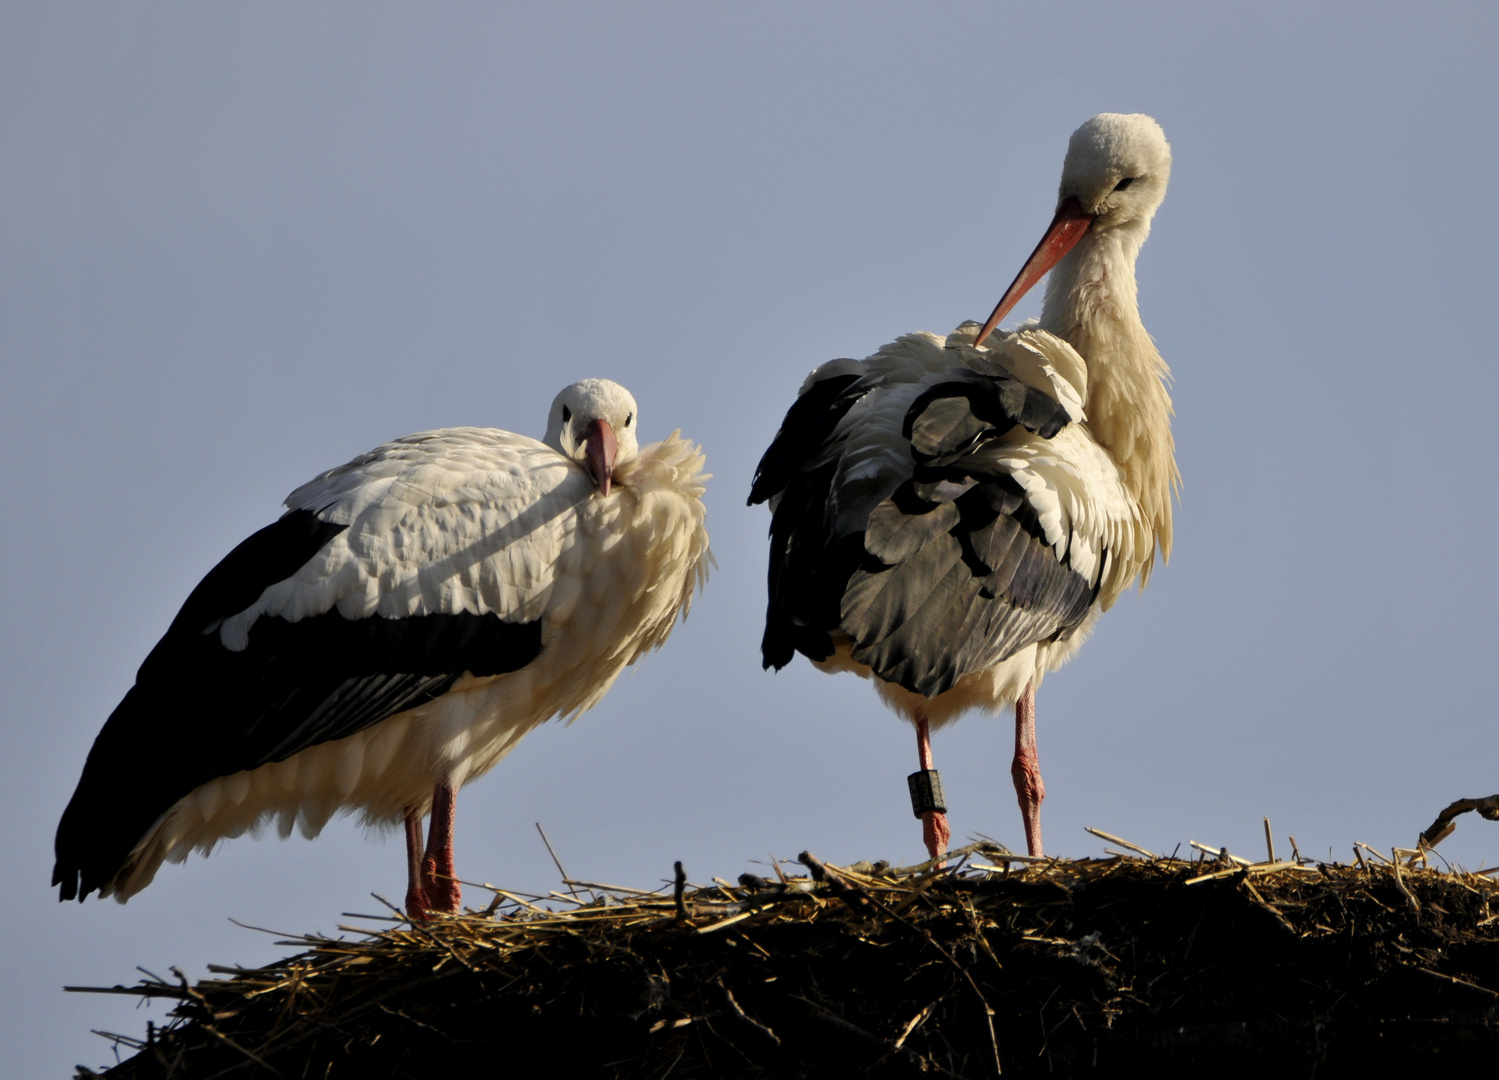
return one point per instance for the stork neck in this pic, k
(1092, 304)
(1091, 298)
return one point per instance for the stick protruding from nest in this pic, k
(1442, 827)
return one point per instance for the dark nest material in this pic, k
(994, 964)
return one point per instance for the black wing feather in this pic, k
(809, 422)
(199, 711)
(798, 525)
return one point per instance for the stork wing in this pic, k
(990, 535)
(386, 582)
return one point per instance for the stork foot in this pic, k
(418, 906)
(431, 885)
(935, 832)
(433, 893)
(440, 891)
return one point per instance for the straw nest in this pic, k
(993, 963)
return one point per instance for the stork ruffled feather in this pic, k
(413, 615)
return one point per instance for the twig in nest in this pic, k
(914, 1023)
(678, 886)
(1410, 897)
(566, 880)
(1454, 980)
(1111, 838)
(146, 990)
(856, 898)
(1442, 827)
(761, 1029)
(1221, 854)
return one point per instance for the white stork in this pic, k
(393, 636)
(951, 517)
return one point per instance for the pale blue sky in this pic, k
(241, 243)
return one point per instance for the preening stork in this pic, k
(393, 636)
(951, 515)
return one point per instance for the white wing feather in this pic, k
(464, 520)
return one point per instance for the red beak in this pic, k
(1062, 235)
(600, 453)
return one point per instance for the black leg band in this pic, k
(926, 792)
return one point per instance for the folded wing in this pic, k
(979, 522)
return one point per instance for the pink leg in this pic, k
(416, 899)
(934, 831)
(1025, 770)
(438, 882)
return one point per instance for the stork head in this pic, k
(1114, 177)
(1117, 167)
(594, 423)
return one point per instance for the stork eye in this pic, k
(628, 419)
(1126, 182)
(567, 414)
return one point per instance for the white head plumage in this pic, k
(593, 422)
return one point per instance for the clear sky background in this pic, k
(240, 244)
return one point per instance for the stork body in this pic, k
(950, 516)
(409, 619)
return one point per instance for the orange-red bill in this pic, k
(1062, 235)
(599, 452)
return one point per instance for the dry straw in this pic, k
(990, 964)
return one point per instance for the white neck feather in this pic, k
(1092, 303)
